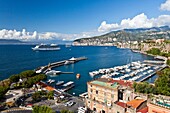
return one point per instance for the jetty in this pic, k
(154, 62)
(43, 69)
(147, 77)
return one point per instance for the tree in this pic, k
(36, 96)
(3, 90)
(168, 62)
(154, 51)
(14, 78)
(66, 111)
(42, 109)
(50, 95)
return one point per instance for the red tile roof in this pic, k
(122, 104)
(122, 82)
(144, 110)
(135, 103)
(49, 88)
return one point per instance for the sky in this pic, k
(71, 19)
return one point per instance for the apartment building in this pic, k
(103, 95)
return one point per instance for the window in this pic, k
(91, 90)
(112, 95)
(103, 111)
(96, 92)
(118, 112)
(94, 109)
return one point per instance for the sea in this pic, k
(17, 58)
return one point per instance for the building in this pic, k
(103, 95)
(159, 104)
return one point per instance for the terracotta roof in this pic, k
(122, 104)
(143, 110)
(49, 88)
(121, 82)
(135, 103)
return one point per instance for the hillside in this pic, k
(129, 35)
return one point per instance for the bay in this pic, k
(17, 58)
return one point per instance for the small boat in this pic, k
(49, 81)
(59, 83)
(52, 72)
(52, 81)
(78, 76)
(67, 86)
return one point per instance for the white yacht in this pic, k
(52, 72)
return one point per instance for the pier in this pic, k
(45, 68)
(147, 77)
(154, 62)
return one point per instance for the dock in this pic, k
(147, 77)
(154, 62)
(45, 68)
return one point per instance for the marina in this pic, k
(135, 71)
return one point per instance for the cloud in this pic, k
(32, 36)
(139, 21)
(21, 35)
(165, 6)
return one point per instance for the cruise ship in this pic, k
(45, 47)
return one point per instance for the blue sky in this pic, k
(73, 16)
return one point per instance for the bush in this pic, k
(162, 84)
(14, 78)
(168, 62)
(42, 109)
(27, 73)
(154, 51)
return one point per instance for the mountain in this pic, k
(156, 29)
(129, 35)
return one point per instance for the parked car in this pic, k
(82, 110)
(70, 103)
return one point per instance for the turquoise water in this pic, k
(17, 58)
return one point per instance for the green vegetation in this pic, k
(156, 51)
(4, 86)
(168, 62)
(161, 86)
(167, 41)
(3, 90)
(66, 111)
(42, 109)
(39, 94)
(32, 80)
(144, 87)
(50, 95)
(28, 77)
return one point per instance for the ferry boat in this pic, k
(45, 47)
(67, 86)
(59, 83)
